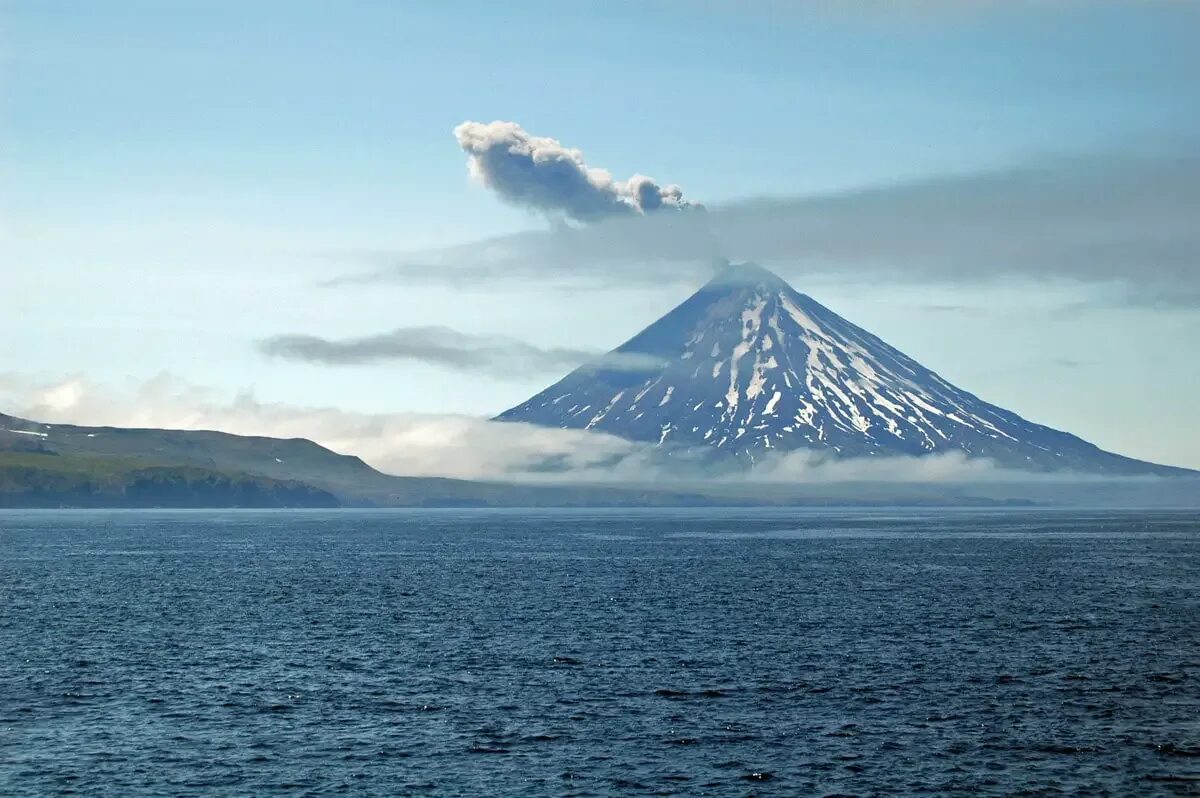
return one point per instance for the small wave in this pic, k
(567, 661)
(759, 775)
(1170, 749)
(476, 748)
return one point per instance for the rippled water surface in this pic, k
(599, 653)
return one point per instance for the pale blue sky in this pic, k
(177, 178)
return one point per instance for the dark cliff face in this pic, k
(749, 367)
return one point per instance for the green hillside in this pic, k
(39, 479)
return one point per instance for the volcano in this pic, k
(750, 368)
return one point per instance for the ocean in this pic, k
(601, 652)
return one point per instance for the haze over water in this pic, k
(698, 652)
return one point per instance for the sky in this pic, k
(1004, 191)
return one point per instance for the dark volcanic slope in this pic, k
(749, 366)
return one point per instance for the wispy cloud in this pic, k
(540, 173)
(809, 466)
(1067, 363)
(467, 447)
(1111, 222)
(425, 444)
(420, 444)
(495, 355)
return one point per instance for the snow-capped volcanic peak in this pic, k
(749, 366)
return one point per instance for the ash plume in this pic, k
(540, 173)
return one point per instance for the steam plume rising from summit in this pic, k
(540, 173)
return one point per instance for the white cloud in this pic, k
(810, 467)
(396, 443)
(468, 447)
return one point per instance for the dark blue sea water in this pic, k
(600, 653)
